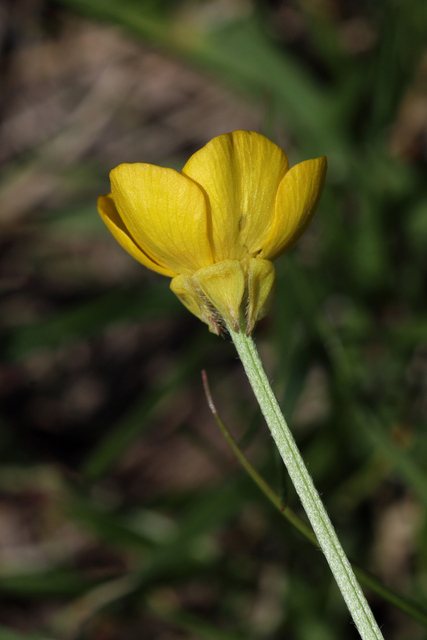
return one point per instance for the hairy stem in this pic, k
(316, 512)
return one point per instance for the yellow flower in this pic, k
(215, 227)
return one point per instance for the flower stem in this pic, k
(316, 512)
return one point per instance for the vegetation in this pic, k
(123, 512)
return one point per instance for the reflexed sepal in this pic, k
(223, 284)
(260, 290)
(182, 287)
(213, 294)
(220, 294)
(189, 293)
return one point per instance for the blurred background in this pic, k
(123, 513)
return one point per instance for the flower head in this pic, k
(216, 227)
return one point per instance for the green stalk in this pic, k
(316, 512)
(406, 605)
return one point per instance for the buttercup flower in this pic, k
(216, 227)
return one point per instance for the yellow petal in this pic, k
(240, 172)
(261, 287)
(165, 213)
(108, 212)
(223, 284)
(296, 203)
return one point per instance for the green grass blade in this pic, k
(404, 604)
